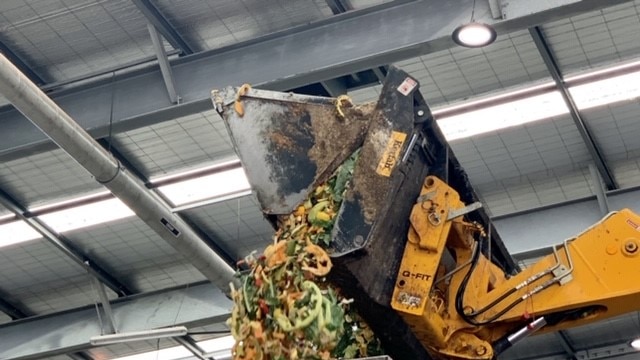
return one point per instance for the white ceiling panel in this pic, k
(133, 253)
(66, 39)
(459, 73)
(365, 95)
(616, 128)
(596, 38)
(177, 144)
(238, 223)
(521, 150)
(534, 190)
(43, 279)
(212, 24)
(626, 172)
(46, 177)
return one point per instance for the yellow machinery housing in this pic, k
(475, 310)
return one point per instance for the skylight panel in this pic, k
(87, 215)
(607, 91)
(218, 347)
(172, 353)
(502, 116)
(220, 185)
(16, 232)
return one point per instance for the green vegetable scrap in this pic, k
(285, 308)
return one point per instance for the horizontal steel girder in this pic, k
(324, 50)
(70, 331)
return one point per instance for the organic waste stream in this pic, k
(285, 308)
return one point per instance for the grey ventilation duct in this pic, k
(72, 138)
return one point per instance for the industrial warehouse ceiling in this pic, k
(96, 59)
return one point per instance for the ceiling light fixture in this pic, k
(636, 344)
(138, 335)
(474, 34)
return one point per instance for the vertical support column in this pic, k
(599, 189)
(566, 345)
(589, 141)
(163, 61)
(106, 307)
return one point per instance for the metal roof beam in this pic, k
(599, 189)
(21, 64)
(12, 310)
(566, 344)
(155, 17)
(334, 87)
(381, 72)
(16, 313)
(327, 49)
(188, 343)
(69, 331)
(79, 356)
(62, 244)
(339, 6)
(165, 66)
(583, 128)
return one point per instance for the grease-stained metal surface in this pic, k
(289, 143)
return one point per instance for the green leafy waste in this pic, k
(285, 308)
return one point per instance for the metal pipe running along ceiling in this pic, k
(70, 136)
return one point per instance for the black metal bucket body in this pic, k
(290, 143)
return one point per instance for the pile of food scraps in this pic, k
(284, 307)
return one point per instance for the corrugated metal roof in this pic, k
(595, 38)
(170, 146)
(215, 24)
(135, 254)
(45, 178)
(43, 279)
(67, 39)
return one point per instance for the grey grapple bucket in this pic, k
(290, 143)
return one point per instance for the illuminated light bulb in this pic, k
(474, 35)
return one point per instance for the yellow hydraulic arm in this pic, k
(462, 306)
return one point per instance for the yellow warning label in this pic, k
(391, 153)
